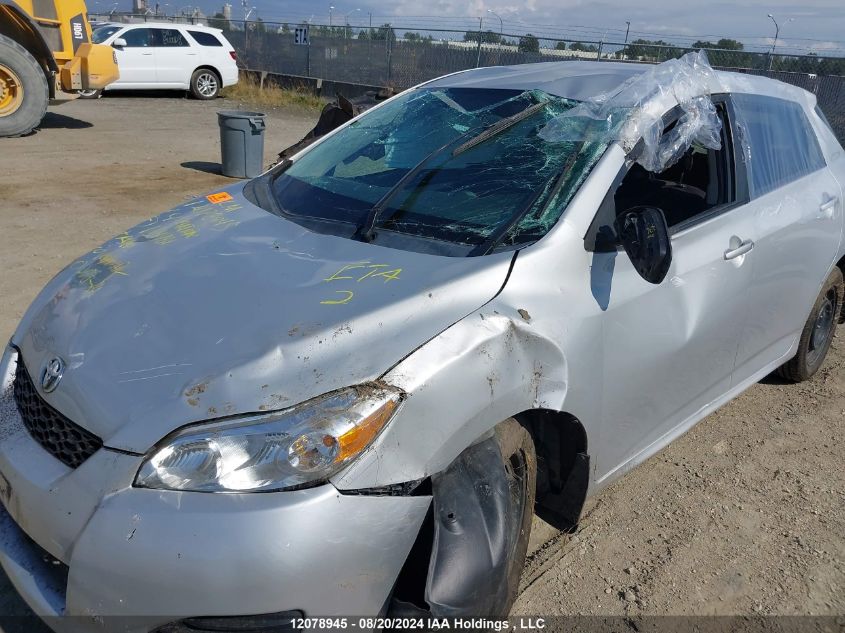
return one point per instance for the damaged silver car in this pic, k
(342, 389)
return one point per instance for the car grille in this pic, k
(64, 440)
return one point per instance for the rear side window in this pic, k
(205, 39)
(170, 38)
(783, 145)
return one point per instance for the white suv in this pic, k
(169, 56)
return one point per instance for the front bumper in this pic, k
(146, 557)
(93, 67)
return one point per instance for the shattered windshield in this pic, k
(460, 165)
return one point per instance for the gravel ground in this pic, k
(744, 515)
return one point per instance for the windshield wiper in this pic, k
(365, 231)
(499, 127)
(499, 234)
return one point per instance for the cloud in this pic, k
(817, 23)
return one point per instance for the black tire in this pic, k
(205, 84)
(520, 458)
(818, 332)
(26, 112)
(470, 558)
(90, 94)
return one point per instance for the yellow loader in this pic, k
(46, 55)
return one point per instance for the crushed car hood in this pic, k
(219, 308)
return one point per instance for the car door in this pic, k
(798, 227)
(136, 60)
(175, 58)
(668, 349)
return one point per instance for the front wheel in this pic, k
(205, 84)
(23, 89)
(520, 460)
(818, 331)
(483, 507)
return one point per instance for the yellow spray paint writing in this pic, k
(93, 277)
(333, 302)
(373, 271)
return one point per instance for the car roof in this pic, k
(578, 80)
(581, 80)
(171, 25)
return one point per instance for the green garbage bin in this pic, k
(241, 143)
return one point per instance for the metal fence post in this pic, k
(389, 51)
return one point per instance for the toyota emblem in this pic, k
(52, 374)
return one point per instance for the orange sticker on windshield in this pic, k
(217, 198)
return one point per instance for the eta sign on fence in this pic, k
(300, 35)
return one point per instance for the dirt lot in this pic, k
(744, 515)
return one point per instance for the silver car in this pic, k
(341, 388)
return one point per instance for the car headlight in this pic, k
(287, 449)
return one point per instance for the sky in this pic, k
(817, 25)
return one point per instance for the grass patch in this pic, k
(249, 90)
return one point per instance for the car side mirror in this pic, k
(644, 234)
(119, 43)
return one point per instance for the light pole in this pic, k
(480, 26)
(501, 32)
(346, 19)
(625, 46)
(331, 9)
(501, 24)
(775, 43)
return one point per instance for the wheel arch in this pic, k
(212, 69)
(563, 465)
(17, 25)
(841, 265)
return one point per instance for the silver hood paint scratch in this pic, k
(213, 310)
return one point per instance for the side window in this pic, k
(701, 182)
(783, 145)
(170, 38)
(138, 38)
(205, 39)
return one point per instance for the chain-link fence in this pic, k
(389, 55)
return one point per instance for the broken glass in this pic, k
(503, 170)
(634, 111)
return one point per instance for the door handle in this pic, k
(146, 54)
(737, 251)
(827, 207)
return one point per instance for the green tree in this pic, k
(285, 28)
(529, 44)
(724, 44)
(379, 34)
(219, 21)
(586, 48)
(729, 45)
(732, 56)
(560, 46)
(652, 50)
(487, 37)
